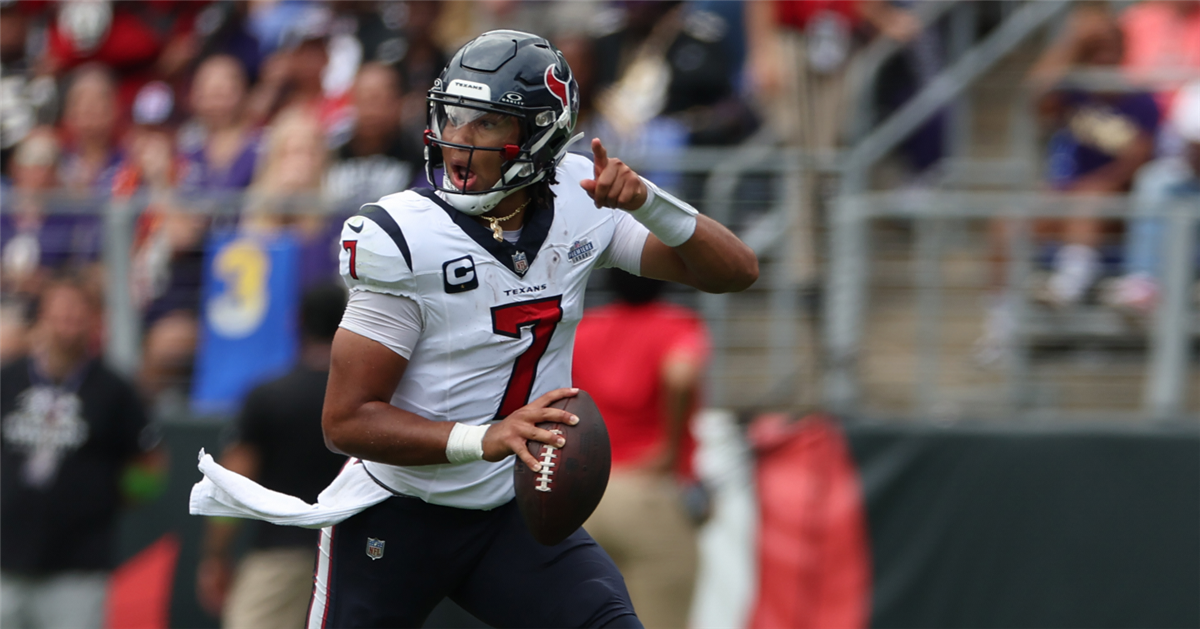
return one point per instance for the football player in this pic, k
(458, 335)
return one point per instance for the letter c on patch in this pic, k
(458, 275)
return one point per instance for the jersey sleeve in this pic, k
(394, 322)
(375, 255)
(624, 251)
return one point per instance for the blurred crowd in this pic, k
(1118, 100)
(283, 116)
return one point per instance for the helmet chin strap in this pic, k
(481, 203)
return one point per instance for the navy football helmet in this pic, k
(511, 73)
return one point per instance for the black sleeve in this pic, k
(252, 424)
(134, 435)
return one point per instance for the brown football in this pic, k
(556, 501)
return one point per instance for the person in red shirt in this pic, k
(139, 41)
(642, 360)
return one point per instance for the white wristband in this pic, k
(465, 443)
(668, 218)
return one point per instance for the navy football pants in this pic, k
(486, 561)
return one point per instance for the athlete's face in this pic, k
(475, 171)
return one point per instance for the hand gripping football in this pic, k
(558, 500)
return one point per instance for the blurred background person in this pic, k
(1162, 36)
(798, 53)
(32, 239)
(663, 80)
(219, 145)
(642, 359)
(1159, 184)
(380, 157)
(422, 58)
(1098, 140)
(167, 262)
(223, 28)
(76, 444)
(294, 76)
(138, 42)
(25, 101)
(287, 193)
(89, 123)
(362, 32)
(277, 441)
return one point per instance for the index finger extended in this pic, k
(599, 154)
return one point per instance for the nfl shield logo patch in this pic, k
(520, 263)
(374, 548)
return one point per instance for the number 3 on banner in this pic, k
(238, 310)
(541, 316)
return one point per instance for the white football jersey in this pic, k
(499, 318)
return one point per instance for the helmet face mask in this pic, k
(513, 74)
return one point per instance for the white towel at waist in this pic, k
(226, 493)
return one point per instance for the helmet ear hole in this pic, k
(510, 151)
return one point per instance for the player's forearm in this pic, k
(719, 260)
(712, 260)
(378, 431)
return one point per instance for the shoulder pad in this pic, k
(375, 253)
(705, 26)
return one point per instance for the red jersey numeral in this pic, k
(352, 247)
(541, 316)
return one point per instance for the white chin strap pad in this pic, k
(478, 203)
(472, 204)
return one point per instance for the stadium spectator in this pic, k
(665, 59)
(1160, 37)
(1161, 183)
(1098, 141)
(422, 60)
(19, 112)
(138, 41)
(167, 264)
(286, 196)
(642, 361)
(277, 442)
(380, 157)
(75, 444)
(361, 31)
(223, 28)
(293, 76)
(219, 145)
(90, 118)
(33, 240)
(150, 161)
(797, 57)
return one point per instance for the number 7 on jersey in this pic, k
(542, 317)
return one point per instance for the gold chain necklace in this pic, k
(494, 223)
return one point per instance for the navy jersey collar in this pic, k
(533, 234)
